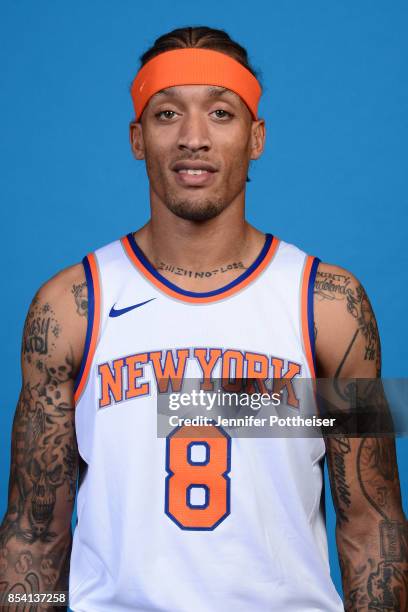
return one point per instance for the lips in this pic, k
(196, 173)
(193, 165)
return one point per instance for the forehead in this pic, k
(195, 92)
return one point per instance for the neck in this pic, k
(224, 239)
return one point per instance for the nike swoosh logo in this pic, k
(121, 311)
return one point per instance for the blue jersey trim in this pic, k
(90, 323)
(146, 263)
(310, 307)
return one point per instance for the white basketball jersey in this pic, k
(237, 526)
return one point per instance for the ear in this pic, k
(136, 139)
(257, 138)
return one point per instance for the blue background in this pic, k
(333, 178)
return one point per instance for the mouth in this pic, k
(194, 173)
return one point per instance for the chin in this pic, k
(196, 210)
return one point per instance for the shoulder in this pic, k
(337, 291)
(57, 319)
(57, 287)
(347, 340)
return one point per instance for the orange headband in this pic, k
(194, 66)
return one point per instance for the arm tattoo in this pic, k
(40, 331)
(337, 453)
(331, 286)
(80, 294)
(377, 473)
(34, 550)
(381, 580)
(339, 287)
(373, 550)
(358, 305)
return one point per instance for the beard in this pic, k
(195, 210)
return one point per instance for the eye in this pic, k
(165, 115)
(222, 114)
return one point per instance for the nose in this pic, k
(193, 135)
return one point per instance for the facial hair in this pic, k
(198, 210)
(194, 208)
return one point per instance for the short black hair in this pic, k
(201, 37)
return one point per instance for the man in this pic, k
(196, 292)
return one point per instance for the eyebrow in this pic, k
(213, 92)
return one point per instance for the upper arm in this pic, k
(44, 454)
(347, 338)
(363, 471)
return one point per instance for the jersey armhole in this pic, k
(93, 324)
(307, 311)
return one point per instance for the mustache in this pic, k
(193, 161)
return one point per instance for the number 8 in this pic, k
(186, 474)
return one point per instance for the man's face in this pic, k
(197, 142)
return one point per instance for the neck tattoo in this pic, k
(177, 270)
